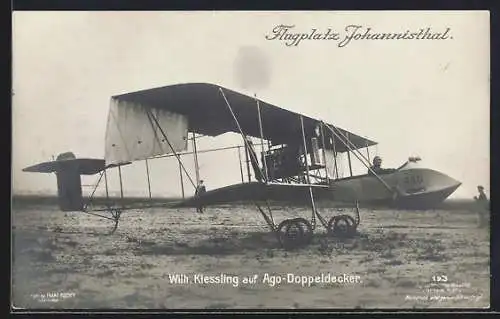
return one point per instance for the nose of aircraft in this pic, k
(447, 184)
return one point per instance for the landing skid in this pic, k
(298, 232)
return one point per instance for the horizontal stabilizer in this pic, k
(84, 166)
(68, 169)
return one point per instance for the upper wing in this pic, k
(205, 109)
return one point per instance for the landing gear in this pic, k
(294, 233)
(343, 225)
(298, 232)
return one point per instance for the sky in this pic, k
(414, 97)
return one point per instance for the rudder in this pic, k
(69, 183)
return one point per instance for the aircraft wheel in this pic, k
(294, 233)
(342, 226)
(307, 227)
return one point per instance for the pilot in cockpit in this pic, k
(377, 166)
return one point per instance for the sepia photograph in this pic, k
(250, 160)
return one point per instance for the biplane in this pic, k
(289, 158)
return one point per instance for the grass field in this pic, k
(66, 260)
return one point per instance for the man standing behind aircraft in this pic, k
(483, 206)
(200, 190)
(482, 196)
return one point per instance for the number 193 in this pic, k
(439, 278)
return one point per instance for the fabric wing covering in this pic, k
(205, 106)
(330, 163)
(132, 135)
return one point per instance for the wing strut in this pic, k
(313, 205)
(121, 182)
(262, 139)
(349, 157)
(106, 184)
(324, 153)
(247, 161)
(358, 157)
(350, 146)
(241, 166)
(195, 156)
(151, 116)
(239, 128)
(367, 152)
(182, 181)
(149, 182)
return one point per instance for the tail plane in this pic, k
(68, 170)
